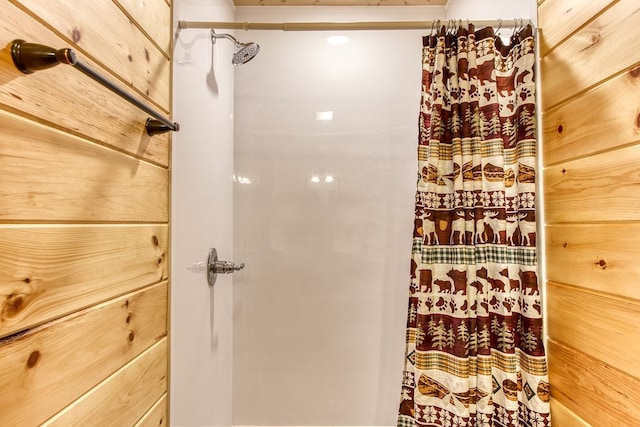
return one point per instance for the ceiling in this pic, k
(340, 2)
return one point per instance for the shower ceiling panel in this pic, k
(340, 2)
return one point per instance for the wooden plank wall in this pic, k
(591, 152)
(84, 218)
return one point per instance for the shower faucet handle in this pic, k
(225, 267)
(214, 267)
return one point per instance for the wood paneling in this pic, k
(590, 113)
(562, 416)
(43, 267)
(561, 18)
(54, 176)
(616, 123)
(597, 392)
(601, 257)
(154, 17)
(47, 368)
(84, 196)
(156, 416)
(123, 49)
(574, 319)
(599, 188)
(143, 381)
(605, 46)
(65, 98)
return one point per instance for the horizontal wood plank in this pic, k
(599, 188)
(124, 50)
(49, 367)
(602, 48)
(123, 398)
(599, 393)
(558, 19)
(564, 417)
(156, 416)
(49, 175)
(50, 271)
(154, 17)
(601, 257)
(607, 116)
(575, 319)
(65, 98)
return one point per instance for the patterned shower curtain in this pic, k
(475, 354)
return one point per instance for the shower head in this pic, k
(244, 52)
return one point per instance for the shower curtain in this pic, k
(474, 354)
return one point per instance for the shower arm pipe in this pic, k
(31, 57)
(338, 26)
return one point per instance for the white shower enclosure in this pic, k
(301, 164)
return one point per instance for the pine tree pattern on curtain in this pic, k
(474, 354)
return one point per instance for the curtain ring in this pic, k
(520, 22)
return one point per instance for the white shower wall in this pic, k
(321, 306)
(313, 331)
(201, 217)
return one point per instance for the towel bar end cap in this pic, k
(31, 57)
(156, 127)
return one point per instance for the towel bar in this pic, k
(31, 57)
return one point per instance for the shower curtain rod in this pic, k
(344, 26)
